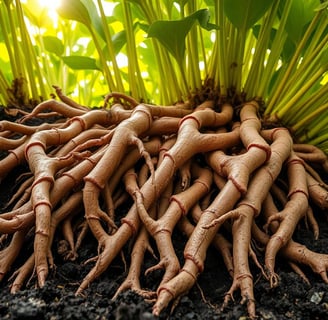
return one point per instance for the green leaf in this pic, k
(256, 31)
(54, 45)
(95, 18)
(301, 13)
(288, 50)
(81, 63)
(74, 10)
(203, 17)
(243, 14)
(119, 40)
(172, 33)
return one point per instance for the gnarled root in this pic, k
(209, 172)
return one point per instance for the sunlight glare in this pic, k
(50, 5)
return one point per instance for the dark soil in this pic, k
(292, 299)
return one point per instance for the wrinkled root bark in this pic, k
(203, 170)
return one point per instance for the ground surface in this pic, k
(292, 299)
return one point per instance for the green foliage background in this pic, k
(165, 51)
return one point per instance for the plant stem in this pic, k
(109, 42)
(292, 65)
(103, 62)
(283, 108)
(276, 48)
(221, 44)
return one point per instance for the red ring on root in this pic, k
(207, 187)
(199, 265)
(141, 108)
(45, 178)
(250, 118)
(186, 271)
(244, 275)
(92, 217)
(163, 230)
(80, 120)
(255, 210)
(273, 132)
(252, 104)
(42, 232)
(181, 206)
(130, 224)
(166, 154)
(210, 211)
(297, 191)
(187, 118)
(266, 149)
(58, 133)
(93, 181)
(167, 290)
(14, 153)
(35, 143)
(295, 161)
(70, 176)
(92, 161)
(43, 202)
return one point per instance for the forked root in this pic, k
(136, 173)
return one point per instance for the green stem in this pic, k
(240, 50)
(303, 123)
(193, 50)
(292, 65)
(103, 62)
(5, 34)
(169, 88)
(131, 47)
(321, 142)
(33, 67)
(110, 46)
(309, 105)
(296, 84)
(276, 48)
(221, 44)
(4, 85)
(306, 68)
(283, 108)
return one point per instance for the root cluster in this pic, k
(210, 171)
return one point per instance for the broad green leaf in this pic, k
(203, 17)
(301, 13)
(80, 63)
(256, 32)
(95, 18)
(119, 40)
(54, 45)
(288, 50)
(74, 10)
(243, 14)
(172, 33)
(36, 14)
(143, 26)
